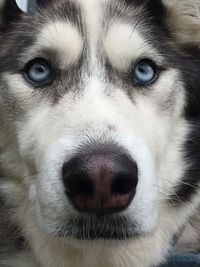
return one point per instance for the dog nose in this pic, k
(100, 182)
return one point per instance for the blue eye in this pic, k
(38, 72)
(144, 72)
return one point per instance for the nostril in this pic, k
(78, 184)
(123, 184)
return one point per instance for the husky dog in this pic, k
(99, 135)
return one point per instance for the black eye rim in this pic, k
(154, 66)
(29, 64)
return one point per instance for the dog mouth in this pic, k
(100, 227)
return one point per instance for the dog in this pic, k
(99, 136)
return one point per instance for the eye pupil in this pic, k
(142, 69)
(39, 69)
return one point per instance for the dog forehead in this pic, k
(93, 23)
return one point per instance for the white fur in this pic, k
(124, 44)
(63, 38)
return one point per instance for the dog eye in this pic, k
(144, 72)
(38, 72)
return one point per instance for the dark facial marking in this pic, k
(189, 65)
(10, 14)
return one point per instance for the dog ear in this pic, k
(184, 20)
(9, 12)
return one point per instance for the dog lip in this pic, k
(99, 227)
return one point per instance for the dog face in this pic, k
(94, 94)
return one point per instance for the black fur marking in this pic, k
(190, 183)
(42, 3)
(10, 13)
(191, 70)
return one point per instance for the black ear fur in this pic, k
(10, 12)
(40, 3)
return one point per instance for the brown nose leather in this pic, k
(100, 182)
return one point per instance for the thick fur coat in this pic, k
(92, 100)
